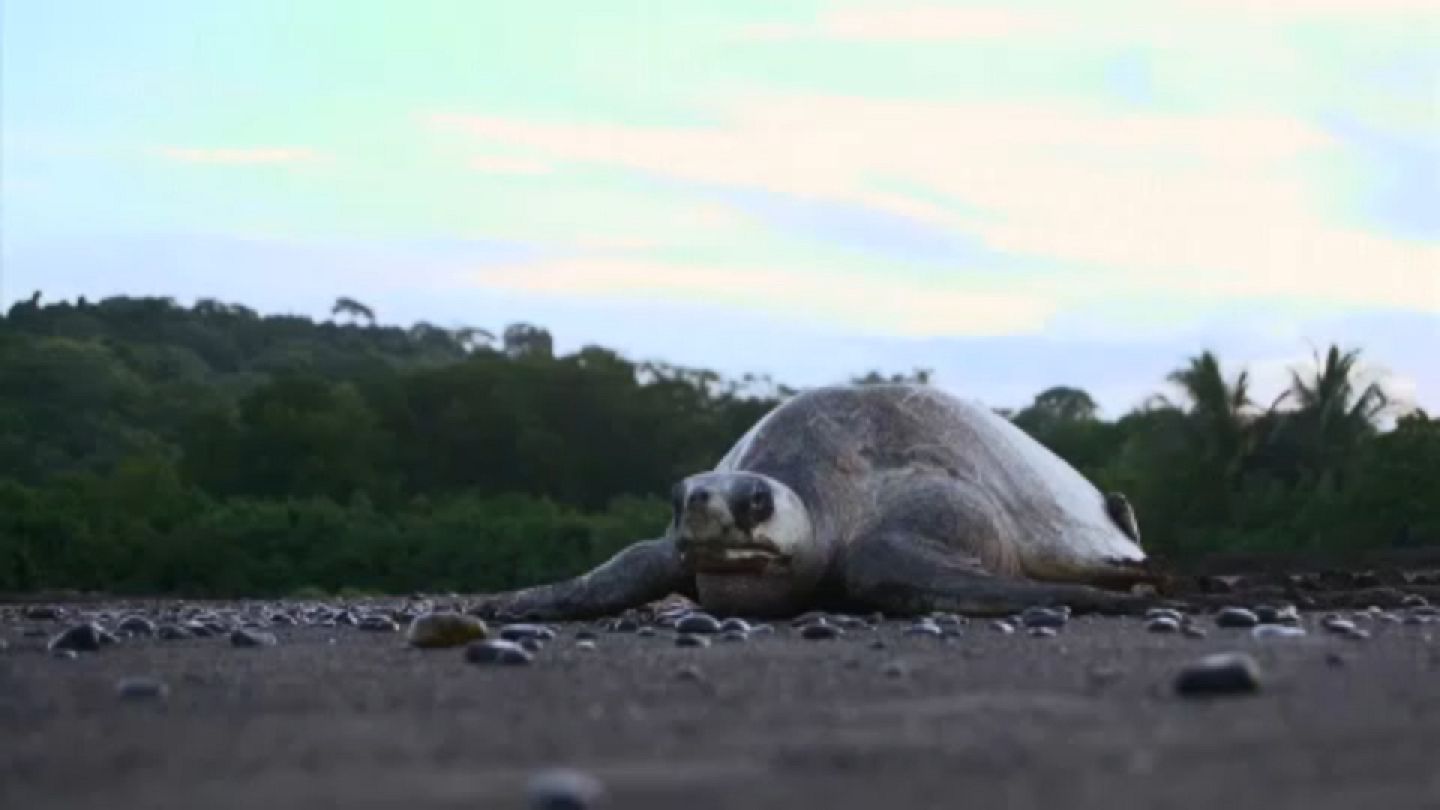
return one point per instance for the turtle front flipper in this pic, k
(901, 573)
(644, 572)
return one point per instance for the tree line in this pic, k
(151, 447)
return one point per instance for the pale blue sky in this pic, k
(1013, 195)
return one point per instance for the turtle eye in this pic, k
(761, 503)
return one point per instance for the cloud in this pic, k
(910, 24)
(1215, 206)
(502, 164)
(252, 156)
(864, 304)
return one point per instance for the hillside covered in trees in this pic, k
(209, 450)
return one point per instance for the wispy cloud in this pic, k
(864, 305)
(1217, 206)
(506, 164)
(912, 24)
(244, 156)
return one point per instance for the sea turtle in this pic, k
(895, 498)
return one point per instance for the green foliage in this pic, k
(148, 447)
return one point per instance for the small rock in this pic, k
(531, 644)
(1043, 617)
(172, 632)
(698, 623)
(1164, 613)
(86, 637)
(1276, 631)
(734, 637)
(626, 624)
(1163, 624)
(924, 628)
(817, 632)
(1414, 600)
(564, 789)
(762, 630)
(894, 669)
(1219, 674)
(1236, 617)
(735, 625)
(1337, 625)
(66, 655)
(521, 632)
(437, 630)
(141, 689)
(585, 645)
(691, 640)
(808, 618)
(379, 624)
(497, 651)
(1192, 631)
(347, 618)
(1002, 627)
(1043, 632)
(252, 638)
(136, 626)
(283, 620)
(585, 635)
(689, 673)
(42, 613)
(645, 632)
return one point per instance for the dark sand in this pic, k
(344, 718)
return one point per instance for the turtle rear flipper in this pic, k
(899, 573)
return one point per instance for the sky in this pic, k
(1014, 195)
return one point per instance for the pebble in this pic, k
(585, 645)
(1236, 617)
(691, 640)
(820, 631)
(497, 651)
(1414, 600)
(136, 626)
(437, 630)
(531, 644)
(1043, 632)
(585, 635)
(689, 673)
(141, 689)
(67, 655)
(645, 632)
(1276, 631)
(734, 637)
(347, 618)
(627, 625)
(894, 669)
(1036, 617)
(808, 618)
(1337, 625)
(564, 789)
(283, 620)
(698, 623)
(735, 625)
(1163, 624)
(762, 630)
(1270, 614)
(86, 637)
(172, 632)
(42, 613)
(924, 628)
(1003, 627)
(1219, 674)
(379, 624)
(1164, 613)
(1426, 610)
(522, 632)
(252, 638)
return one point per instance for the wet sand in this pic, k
(339, 717)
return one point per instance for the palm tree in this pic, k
(1332, 417)
(354, 309)
(1220, 413)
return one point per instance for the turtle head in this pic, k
(748, 541)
